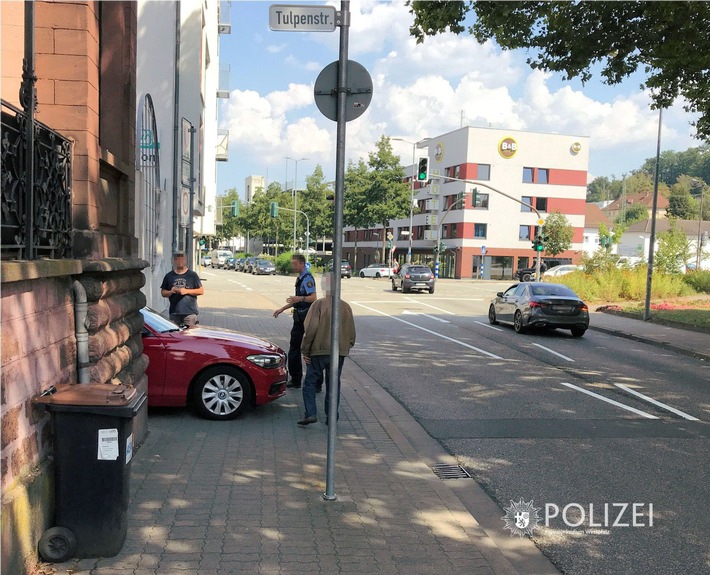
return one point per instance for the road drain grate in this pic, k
(443, 471)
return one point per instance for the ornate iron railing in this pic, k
(50, 219)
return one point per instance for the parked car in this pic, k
(230, 263)
(263, 267)
(218, 371)
(239, 264)
(562, 270)
(219, 257)
(249, 264)
(528, 274)
(537, 304)
(346, 270)
(376, 271)
(206, 261)
(413, 277)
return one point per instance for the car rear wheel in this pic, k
(377, 275)
(431, 289)
(362, 274)
(492, 315)
(527, 277)
(394, 286)
(221, 392)
(405, 290)
(578, 332)
(518, 322)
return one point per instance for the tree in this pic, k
(599, 189)
(388, 196)
(674, 250)
(669, 41)
(355, 205)
(633, 213)
(313, 201)
(680, 203)
(558, 234)
(229, 227)
(693, 162)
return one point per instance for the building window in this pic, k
(528, 175)
(481, 201)
(452, 229)
(542, 176)
(484, 172)
(526, 200)
(457, 171)
(541, 204)
(536, 176)
(524, 233)
(480, 230)
(444, 231)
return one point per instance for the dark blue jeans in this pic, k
(314, 374)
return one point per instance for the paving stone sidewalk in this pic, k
(245, 496)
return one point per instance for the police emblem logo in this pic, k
(521, 518)
(310, 283)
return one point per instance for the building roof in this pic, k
(593, 216)
(643, 198)
(690, 227)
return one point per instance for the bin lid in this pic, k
(90, 394)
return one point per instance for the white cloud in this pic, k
(275, 49)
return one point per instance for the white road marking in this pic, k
(419, 302)
(656, 403)
(407, 312)
(240, 284)
(621, 405)
(488, 325)
(554, 352)
(208, 273)
(442, 336)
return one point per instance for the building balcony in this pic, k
(223, 84)
(222, 151)
(224, 18)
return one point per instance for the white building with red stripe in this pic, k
(486, 234)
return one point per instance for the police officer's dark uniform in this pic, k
(305, 286)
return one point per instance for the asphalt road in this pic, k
(517, 413)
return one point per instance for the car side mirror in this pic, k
(500, 294)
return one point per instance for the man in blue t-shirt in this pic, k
(182, 286)
(301, 301)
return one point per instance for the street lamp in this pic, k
(415, 145)
(295, 194)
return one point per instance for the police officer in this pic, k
(300, 302)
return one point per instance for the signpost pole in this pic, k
(342, 20)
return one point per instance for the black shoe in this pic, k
(307, 420)
(292, 385)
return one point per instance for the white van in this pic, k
(219, 257)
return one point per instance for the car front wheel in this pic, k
(518, 322)
(492, 315)
(221, 392)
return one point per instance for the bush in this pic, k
(283, 263)
(698, 280)
(626, 284)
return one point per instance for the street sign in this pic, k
(541, 222)
(483, 250)
(389, 236)
(301, 18)
(358, 91)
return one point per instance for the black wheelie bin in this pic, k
(93, 448)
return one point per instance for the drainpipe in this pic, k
(81, 311)
(177, 158)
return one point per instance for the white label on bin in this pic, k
(129, 448)
(108, 444)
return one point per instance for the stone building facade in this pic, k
(85, 63)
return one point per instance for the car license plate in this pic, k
(562, 308)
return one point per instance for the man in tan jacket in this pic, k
(316, 349)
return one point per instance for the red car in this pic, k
(218, 370)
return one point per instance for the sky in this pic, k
(419, 91)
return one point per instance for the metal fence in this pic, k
(36, 220)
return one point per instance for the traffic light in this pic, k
(235, 208)
(423, 170)
(202, 241)
(274, 209)
(538, 244)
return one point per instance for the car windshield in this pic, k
(553, 289)
(263, 262)
(157, 322)
(419, 269)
